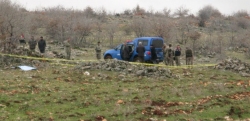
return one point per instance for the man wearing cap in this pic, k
(98, 50)
(67, 48)
(42, 45)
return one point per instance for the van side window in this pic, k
(157, 43)
(144, 42)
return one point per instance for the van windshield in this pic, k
(157, 43)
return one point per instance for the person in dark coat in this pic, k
(140, 50)
(42, 45)
(153, 54)
(22, 41)
(126, 52)
(189, 56)
(32, 43)
(177, 55)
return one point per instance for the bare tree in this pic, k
(194, 36)
(89, 12)
(241, 13)
(161, 27)
(111, 29)
(99, 26)
(167, 12)
(101, 14)
(12, 18)
(139, 25)
(83, 29)
(127, 12)
(182, 27)
(181, 12)
(233, 28)
(243, 23)
(138, 10)
(206, 13)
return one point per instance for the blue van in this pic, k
(116, 53)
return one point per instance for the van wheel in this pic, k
(137, 59)
(108, 57)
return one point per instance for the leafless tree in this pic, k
(101, 14)
(139, 25)
(89, 12)
(127, 12)
(243, 23)
(111, 29)
(181, 12)
(83, 29)
(138, 10)
(206, 13)
(233, 28)
(241, 13)
(194, 36)
(167, 12)
(161, 27)
(99, 26)
(12, 17)
(182, 27)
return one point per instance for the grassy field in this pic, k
(62, 93)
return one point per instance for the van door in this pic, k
(158, 44)
(117, 53)
(131, 50)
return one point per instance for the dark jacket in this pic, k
(177, 52)
(153, 53)
(42, 44)
(189, 53)
(126, 52)
(22, 41)
(32, 44)
(140, 50)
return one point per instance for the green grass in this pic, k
(69, 95)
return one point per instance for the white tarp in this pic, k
(26, 68)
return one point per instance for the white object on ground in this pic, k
(26, 68)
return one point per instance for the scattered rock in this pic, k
(235, 65)
(124, 67)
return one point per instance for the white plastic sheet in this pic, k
(26, 68)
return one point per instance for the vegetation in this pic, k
(89, 25)
(198, 93)
(59, 92)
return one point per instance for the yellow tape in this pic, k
(48, 59)
(135, 63)
(182, 66)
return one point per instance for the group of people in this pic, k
(32, 43)
(172, 55)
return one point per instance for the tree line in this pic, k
(209, 29)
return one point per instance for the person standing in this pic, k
(126, 52)
(165, 54)
(98, 50)
(67, 48)
(153, 54)
(140, 50)
(189, 56)
(32, 43)
(22, 41)
(170, 55)
(42, 45)
(177, 55)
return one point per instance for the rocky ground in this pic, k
(18, 56)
